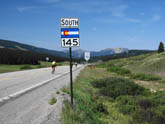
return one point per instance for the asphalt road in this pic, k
(32, 107)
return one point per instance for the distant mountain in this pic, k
(109, 51)
(79, 53)
(24, 47)
(16, 53)
(123, 54)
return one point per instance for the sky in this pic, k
(132, 24)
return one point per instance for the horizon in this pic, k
(103, 24)
(66, 49)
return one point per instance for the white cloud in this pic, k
(94, 29)
(25, 8)
(133, 20)
(142, 13)
(156, 17)
(49, 1)
(132, 38)
(95, 6)
(118, 11)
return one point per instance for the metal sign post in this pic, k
(71, 88)
(70, 38)
(47, 59)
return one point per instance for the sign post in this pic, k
(70, 38)
(47, 59)
(71, 87)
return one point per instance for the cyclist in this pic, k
(76, 64)
(53, 66)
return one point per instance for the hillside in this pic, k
(79, 53)
(152, 63)
(12, 56)
(121, 55)
(105, 55)
(17, 53)
(24, 47)
(120, 91)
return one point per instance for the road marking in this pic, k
(2, 79)
(21, 92)
(18, 76)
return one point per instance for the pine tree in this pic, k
(161, 48)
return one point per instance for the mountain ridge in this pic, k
(25, 47)
(76, 53)
(79, 53)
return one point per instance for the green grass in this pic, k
(62, 63)
(52, 101)
(145, 77)
(162, 81)
(152, 63)
(11, 68)
(114, 87)
(58, 92)
(91, 108)
(103, 98)
(45, 64)
(138, 76)
(118, 70)
(147, 70)
(49, 64)
(24, 67)
(65, 90)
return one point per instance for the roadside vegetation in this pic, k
(52, 101)
(10, 68)
(113, 93)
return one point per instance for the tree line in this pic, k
(14, 57)
(161, 48)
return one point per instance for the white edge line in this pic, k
(14, 95)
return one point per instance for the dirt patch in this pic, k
(153, 86)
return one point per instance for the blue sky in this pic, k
(133, 24)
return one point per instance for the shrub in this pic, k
(162, 81)
(119, 70)
(25, 67)
(101, 65)
(114, 87)
(149, 116)
(144, 109)
(161, 48)
(58, 92)
(150, 109)
(65, 90)
(100, 107)
(159, 98)
(126, 104)
(79, 114)
(145, 77)
(41, 66)
(52, 101)
(144, 103)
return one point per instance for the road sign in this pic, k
(70, 32)
(70, 38)
(87, 56)
(47, 58)
(70, 22)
